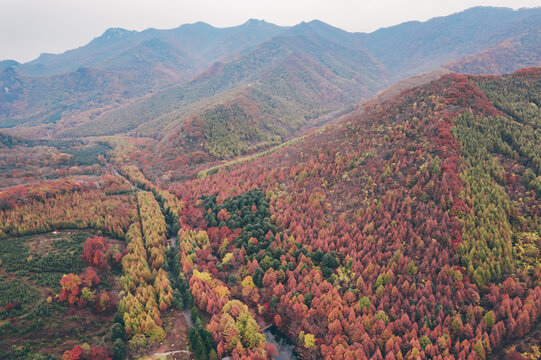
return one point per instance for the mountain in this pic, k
(407, 225)
(310, 74)
(4, 64)
(518, 50)
(129, 64)
(201, 41)
(414, 47)
(282, 79)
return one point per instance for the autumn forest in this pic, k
(263, 225)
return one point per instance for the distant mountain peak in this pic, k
(199, 25)
(5, 64)
(317, 22)
(255, 24)
(255, 21)
(115, 34)
(481, 8)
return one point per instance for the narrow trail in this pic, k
(188, 317)
(115, 172)
(172, 353)
(173, 241)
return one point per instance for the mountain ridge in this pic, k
(150, 82)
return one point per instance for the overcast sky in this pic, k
(31, 27)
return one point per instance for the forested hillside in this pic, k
(283, 69)
(117, 66)
(414, 47)
(150, 83)
(409, 231)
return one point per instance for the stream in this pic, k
(285, 348)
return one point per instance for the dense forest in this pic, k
(411, 230)
(408, 229)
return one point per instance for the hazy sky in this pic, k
(30, 27)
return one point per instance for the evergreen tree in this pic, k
(119, 350)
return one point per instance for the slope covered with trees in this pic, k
(308, 74)
(117, 66)
(156, 82)
(408, 229)
(411, 230)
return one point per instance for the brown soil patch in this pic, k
(175, 345)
